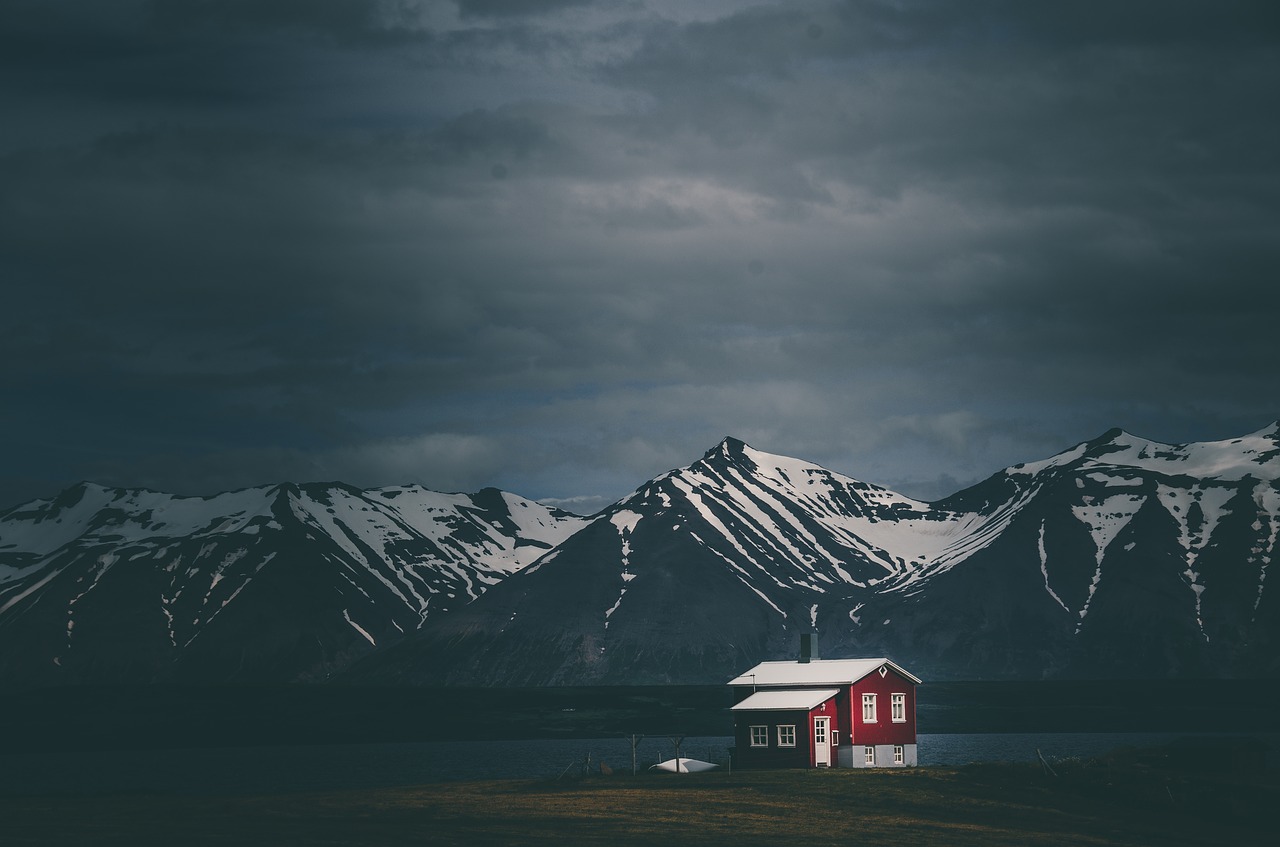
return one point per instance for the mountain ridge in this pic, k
(1027, 574)
(286, 581)
(1044, 569)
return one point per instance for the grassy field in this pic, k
(1128, 798)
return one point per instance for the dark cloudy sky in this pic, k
(562, 247)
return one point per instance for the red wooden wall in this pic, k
(884, 730)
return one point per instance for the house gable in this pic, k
(884, 726)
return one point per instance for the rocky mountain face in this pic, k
(267, 584)
(1118, 557)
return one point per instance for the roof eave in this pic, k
(748, 678)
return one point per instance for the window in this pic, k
(897, 754)
(898, 707)
(819, 732)
(759, 736)
(869, 755)
(868, 708)
(787, 735)
(835, 738)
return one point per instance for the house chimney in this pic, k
(806, 647)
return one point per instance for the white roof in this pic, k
(815, 672)
(781, 700)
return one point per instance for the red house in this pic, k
(823, 713)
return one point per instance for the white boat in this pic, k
(683, 765)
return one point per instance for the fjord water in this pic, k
(255, 740)
(270, 770)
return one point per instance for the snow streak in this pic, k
(1268, 502)
(1104, 520)
(407, 544)
(1044, 571)
(625, 522)
(346, 615)
(1195, 528)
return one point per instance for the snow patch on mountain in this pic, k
(804, 541)
(1268, 502)
(694, 497)
(1256, 455)
(964, 535)
(103, 564)
(346, 615)
(1044, 571)
(803, 525)
(1197, 511)
(1111, 480)
(188, 561)
(1036, 468)
(122, 516)
(625, 522)
(1104, 520)
(771, 513)
(742, 575)
(19, 596)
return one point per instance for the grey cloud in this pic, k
(514, 8)
(565, 251)
(342, 21)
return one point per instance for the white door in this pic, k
(822, 742)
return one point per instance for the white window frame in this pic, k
(868, 755)
(869, 708)
(899, 755)
(898, 707)
(790, 732)
(760, 736)
(835, 738)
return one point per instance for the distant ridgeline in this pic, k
(1120, 557)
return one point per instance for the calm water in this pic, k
(258, 770)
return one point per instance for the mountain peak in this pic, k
(733, 554)
(727, 446)
(1251, 455)
(1113, 434)
(730, 450)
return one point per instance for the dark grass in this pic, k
(1132, 797)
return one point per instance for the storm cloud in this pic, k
(563, 247)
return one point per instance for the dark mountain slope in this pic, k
(1119, 557)
(269, 584)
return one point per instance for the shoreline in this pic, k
(173, 716)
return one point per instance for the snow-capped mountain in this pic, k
(265, 584)
(1120, 556)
